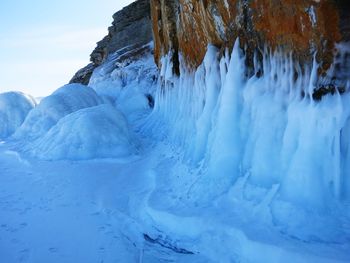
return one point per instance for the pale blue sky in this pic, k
(44, 42)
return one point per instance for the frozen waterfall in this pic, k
(267, 128)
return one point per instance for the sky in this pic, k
(44, 42)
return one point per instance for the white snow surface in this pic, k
(14, 107)
(228, 168)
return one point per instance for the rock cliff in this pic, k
(186, 27)
(131, 28)
(301, 26)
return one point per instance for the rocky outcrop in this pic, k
(300, 26)
(83, 75)
(130, 27)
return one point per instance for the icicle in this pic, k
(268, 125)
(212, 84)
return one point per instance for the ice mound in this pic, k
(128, 80)
(65, 100)
(96, 132)
(14, 107)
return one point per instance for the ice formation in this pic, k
(74, 123)
(89, 133)
(235, 165)
(126, 80)
(14, 107)
(61, 126)
(263, 138)
(51, 109)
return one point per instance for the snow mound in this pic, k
(96, 132)
(14, 107)
(65, 100)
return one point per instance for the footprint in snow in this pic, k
(14, 241)
(102, 228)
(53, 249)
(24, 255)
(95, 214)
(23, 225)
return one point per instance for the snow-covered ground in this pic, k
(209, 167)
(112, 211)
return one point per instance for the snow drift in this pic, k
(14, 107)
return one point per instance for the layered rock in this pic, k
(131, 28)
(301, 26)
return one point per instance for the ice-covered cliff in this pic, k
(131, 28)
(303, 27)
(226, 139)
(251, 100)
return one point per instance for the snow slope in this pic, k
(93, 211)
(222, 168)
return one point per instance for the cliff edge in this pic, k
(304, 27)
(131, 28)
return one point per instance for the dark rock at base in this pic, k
(322, 91)
(166, 243)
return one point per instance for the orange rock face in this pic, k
(300, 26)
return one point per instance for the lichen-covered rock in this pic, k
(131, 26)
(300, 26)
